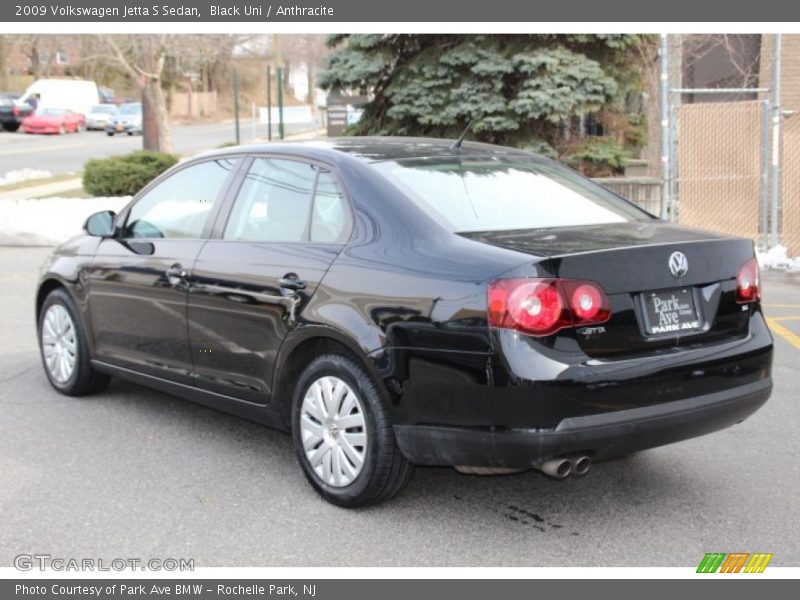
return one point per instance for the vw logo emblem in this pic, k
(678, 264)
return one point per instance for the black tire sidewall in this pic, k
(359, 381)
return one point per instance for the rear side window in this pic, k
(179, 206)
(505, 194)
(273, 203)
(287, 201)
(329, 219)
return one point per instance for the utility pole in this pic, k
(280, 103)
(666, 167)
(279, 76)
(766, 117)
(776, 140)
(269, 103)
(236, 103)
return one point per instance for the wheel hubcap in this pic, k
(333, 431)
(59, 343)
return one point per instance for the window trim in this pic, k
(121, 219)
(226, 208)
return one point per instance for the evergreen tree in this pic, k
(529, 91)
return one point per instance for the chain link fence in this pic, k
(728, 136)
(788, 211)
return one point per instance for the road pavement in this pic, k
(135, 473)
(68, 153)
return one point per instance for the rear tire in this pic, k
(11, 127)
(346, 448)
(63, 347)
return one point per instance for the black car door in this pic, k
(138, 283)
(285, 226)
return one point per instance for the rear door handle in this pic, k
(176, 274)
(291, 282)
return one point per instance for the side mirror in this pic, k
(100, 224)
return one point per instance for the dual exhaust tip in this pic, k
(560, 467)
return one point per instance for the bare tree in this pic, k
(736, 58)
(4, 52)
(208, 56)
(143, 59)
(308, 49)
(40, 50)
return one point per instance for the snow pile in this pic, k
(23, 175)
(49, 221)
(777, 258)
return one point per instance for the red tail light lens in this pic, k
(15, 111)
(588, 302)
(748, 284)
(543, 306)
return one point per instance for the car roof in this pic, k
(370, 149)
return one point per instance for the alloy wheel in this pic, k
(59, 343)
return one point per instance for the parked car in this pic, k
(99, 116)
(77, 95)
(53, 120)
(12, 112)
(128, 119)
(398, 301)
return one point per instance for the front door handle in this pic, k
(176, 274)
(291, 282)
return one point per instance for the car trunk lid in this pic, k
(652, 306)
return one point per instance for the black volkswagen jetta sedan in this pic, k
(396, 301)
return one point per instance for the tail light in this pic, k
(15, 111)
(543, 306)
(748, 284)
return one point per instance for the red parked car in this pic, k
(53, 120)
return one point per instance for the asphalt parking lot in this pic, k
(63, 153)
(135, 473)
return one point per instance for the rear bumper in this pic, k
(602, 435)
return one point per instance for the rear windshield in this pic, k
(500, 193)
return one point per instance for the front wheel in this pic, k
(65, 354)
(343, 436)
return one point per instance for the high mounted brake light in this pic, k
(541, 307)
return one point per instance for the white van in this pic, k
(77, 95)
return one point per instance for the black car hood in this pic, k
(558, 241)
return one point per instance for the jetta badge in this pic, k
(678, 264)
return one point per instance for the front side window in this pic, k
(179, 206)
(287, 201)
(487, 194)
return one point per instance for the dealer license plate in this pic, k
(670, 311)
